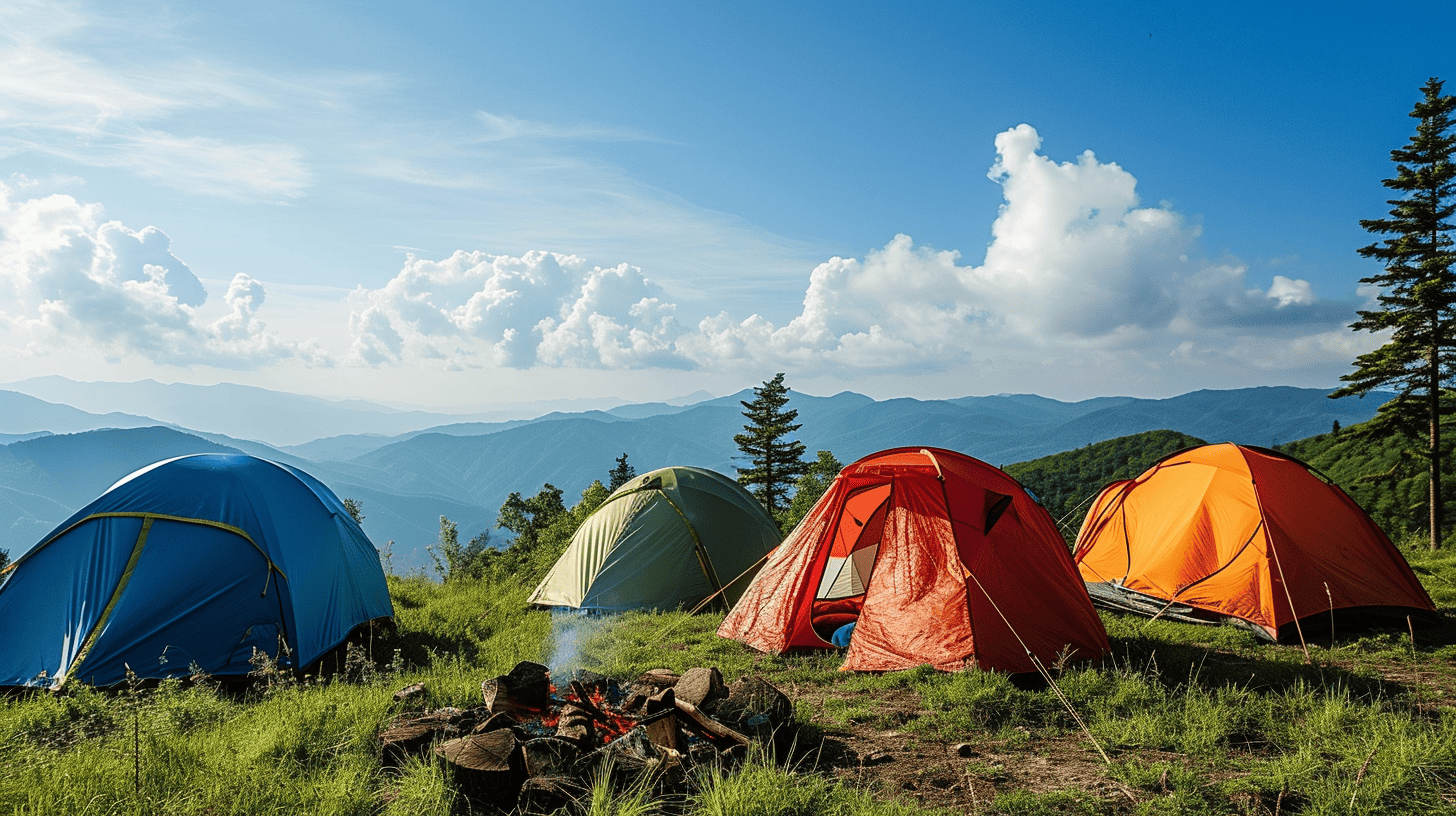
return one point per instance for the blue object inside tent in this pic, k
(842, 636)
(194, 561)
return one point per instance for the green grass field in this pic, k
(1192, 720)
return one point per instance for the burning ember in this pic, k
(537, 746)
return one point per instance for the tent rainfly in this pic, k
(192, 561)
(937, 558)
(670, 538)
(1242, 534)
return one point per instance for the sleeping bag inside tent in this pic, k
(666, 539)
(1246, 535)
(935, 558)
(196, 560)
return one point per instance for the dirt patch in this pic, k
(965, 776)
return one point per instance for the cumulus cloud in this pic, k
(1077, 267)
(68, 278)
(475, 309)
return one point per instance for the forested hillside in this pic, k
(1383, 475)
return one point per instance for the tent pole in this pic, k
(1292, 611)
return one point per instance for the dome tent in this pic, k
(1241, 534)
(938, 559)
(193, 560)
(669, 538)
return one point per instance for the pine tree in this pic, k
(775, 460)
(1417, 292)
(621, 474)
(355, 509)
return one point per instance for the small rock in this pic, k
(965, 750)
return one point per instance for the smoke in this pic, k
(571, 631)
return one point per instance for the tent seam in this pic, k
(101, 621)
(145, 515)
(698, 549)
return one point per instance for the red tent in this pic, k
(938, 558)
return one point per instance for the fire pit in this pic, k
(538, 746)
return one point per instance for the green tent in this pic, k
(666, 539)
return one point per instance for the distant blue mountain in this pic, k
(249, 412)
(466, 470)
(22, 415)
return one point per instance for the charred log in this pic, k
(551, 794)
(575, 726)
(525, 689)
(488, 768)
(411, 735)
(549, 756)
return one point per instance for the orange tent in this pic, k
(1247, 533)
(939, 558)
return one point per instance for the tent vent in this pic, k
(994, 509)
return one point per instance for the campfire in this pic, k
(538, 746)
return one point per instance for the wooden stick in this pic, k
(1359, 775)
(708, 724)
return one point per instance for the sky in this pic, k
(465, 205)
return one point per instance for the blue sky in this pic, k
(465, 204)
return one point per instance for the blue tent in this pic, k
(193, 560)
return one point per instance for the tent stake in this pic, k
(1046, 675)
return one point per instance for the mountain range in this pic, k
(54, 457)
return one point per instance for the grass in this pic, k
(1196, 720)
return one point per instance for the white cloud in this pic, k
(474, 309)
(1288, 292)
(196, 164)
(68, 279)
(500, 127)
(1078, 272)
(73, 106)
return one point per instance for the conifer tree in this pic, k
(775, 459)
(1417, 292)
(621, 474)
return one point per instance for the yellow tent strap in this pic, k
(91, 637)
(1292, 611)
(165, 517)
